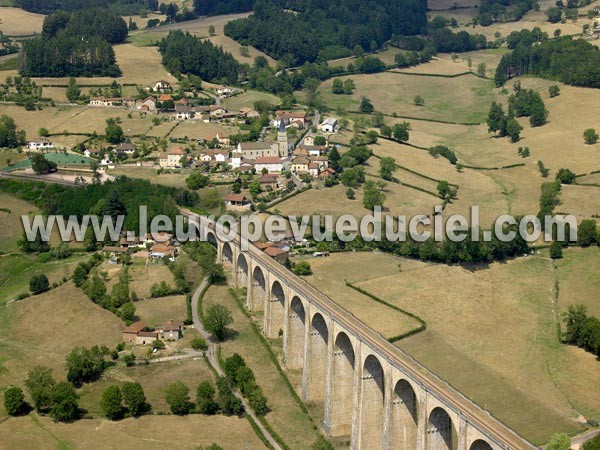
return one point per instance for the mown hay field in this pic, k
(16, 22)
(144, 433)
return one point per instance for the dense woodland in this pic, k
(218, 7)
(572, 61)
(123, 7)
(75, 44)
(298, 37)
(66, 56)
(503, 10)
(86, 23)
(122, 196)
(184, 53)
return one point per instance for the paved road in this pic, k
(212, 359)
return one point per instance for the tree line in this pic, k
(492, 11)
(571, 61)
(220, 7)
(185, 53)
(121, 7)
(582, 330)
(298, 37)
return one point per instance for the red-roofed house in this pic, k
(273, 164)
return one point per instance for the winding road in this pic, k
(214, 362)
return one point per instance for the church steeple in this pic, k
(282, 138)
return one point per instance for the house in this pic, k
(295, 119)
(236, 201)
(126, 147)
(224, 91)
(160, 250)
(165, 98)
(162, 86)
(148, 104)
(130, 333)
(269, 181)
(223, 138)
(249, 113)
(91, 152)
(300, 165)
(246, 166)
(171, 159)
(279, 254)
(183, 112)
(330, 125)
(114, 251)
(215, 110)
(130, 242)
(40, 145)
(106, 102)
(171, 331)
(226, 116)
(314, 169)
(157, 237)
(327, 173)
(271, 163)
(214, 155)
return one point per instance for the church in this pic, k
(254, 150)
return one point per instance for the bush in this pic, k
(199, 344)
(38, 284)
(14, 401)
(565, 176)
(556, 251)
(590, 136)
(302, 268)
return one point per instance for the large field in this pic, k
(491, 331)
(145, 433)
(16, 22)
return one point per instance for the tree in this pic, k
(513, 129)
(197, 180)
(216, 319)
(38, 284)
(302, 268)
(84, 365)
(387, 167)
(565, 176)
(401, 131)
(14, 401)
(211, 30)
(481, 69)
(41, 165)
(553, 91)
(419, 101)
(587, 233)
(321, 444)
(95, 288)
(177, 396)
(63, 402)
(199, 344)
(258, 401)
(205, 398)
(556, 251)
(127, 311)
(228, 403)
(575, 321)
(43, 132)
(9, 137)
(134, 398)
(114, 132)
(353, 177)
(111, 403)
(73, 91)
(350, 194)
(366, 107)
(39, 383)
(554, 14)
(372, 196)
(590, 136)
(496, 120)
(539, 114)
(559, 441)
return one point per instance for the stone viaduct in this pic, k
(372, 391)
